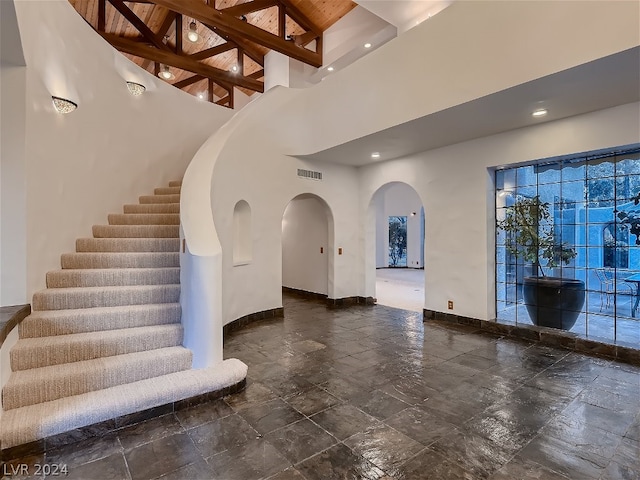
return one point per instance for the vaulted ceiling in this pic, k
(233, 37)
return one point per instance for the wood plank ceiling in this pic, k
(233, 37)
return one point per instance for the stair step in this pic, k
(127, 245)
(120, 259)
(152, 208)
(35, 422)
(136, 231)
(37, 385)
(144, 219)
(81, 320)
(89, 297)
(105, 277)
(175, 198)
(175, 183)
(43, 351)
(166, 191)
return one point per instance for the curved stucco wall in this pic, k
(251, 160)
(113, 148)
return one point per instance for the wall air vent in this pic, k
(311, 175)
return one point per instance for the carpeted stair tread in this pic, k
(120, 259)
(89, 297)
(27, 424)
(37, 385)
(152, 208)
(103, 277)
(144, 219)
(43, 351)
(175, 198)
(175, 183)
(80, 320)
(166, 191)
(136, 231)
(127, 245)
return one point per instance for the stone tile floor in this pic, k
(373, 393)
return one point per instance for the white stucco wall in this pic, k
(305, 231)
(456, 184)
(81, 166)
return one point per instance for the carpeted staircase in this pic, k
(105, 339)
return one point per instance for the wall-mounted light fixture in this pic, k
(136, 89)
(62, 105)
(165, 73)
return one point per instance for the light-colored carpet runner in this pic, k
(105, 339)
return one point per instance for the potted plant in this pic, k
(551, 301)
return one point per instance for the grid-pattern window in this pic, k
(594, 208)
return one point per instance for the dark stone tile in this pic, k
(199, 470)
(526, 470)
(24, 450)
(345, 388)
(420, 425)
(474, 361)
(384, 446)
(251, 461)
(161, 456)
(615, 471)
(449, 408)
(307, 346)
(345, 420)
(603, 418)
(429, 465)
(148, 431)
(86, 451)
(612, 400)
(379, 404)
(28, 467)
(255, 393)
(633, 432)
(312, 401)
(222, 434)
(476, 454)
(562, 457)
(628, 454)
(80, 434)
(408, 389)
(203, 413)
(112, 467)
(268, 416)
(300, 440)
(287, 384)
(337, 463)
(288, 474)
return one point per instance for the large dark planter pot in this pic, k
(553, 301)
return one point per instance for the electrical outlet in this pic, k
(450, 304)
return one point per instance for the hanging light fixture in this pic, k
(165, 73)
(136, 89)
(62, 105)
(192, 34)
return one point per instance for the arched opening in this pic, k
(307, 246)
(242, 239)
(398, 214)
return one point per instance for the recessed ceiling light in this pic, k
(201, 96)
(367, 45)
(541, 112)
(375, 155)
(234, 69)
(330, 69)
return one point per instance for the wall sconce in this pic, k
(62, 105)
(136, 89)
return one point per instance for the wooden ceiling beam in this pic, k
(249, 48)
(188, 81)
(224, 22)
(256, 75)
(179, 34)
(182, 62)
(300, 18)
(249, 7)
(139, 25)
(304, 39)
(213, 51)
(166, 23)
(102, 9)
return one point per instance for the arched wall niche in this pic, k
(242, 234)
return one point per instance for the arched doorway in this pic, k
(398, 214)
(307, 246)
